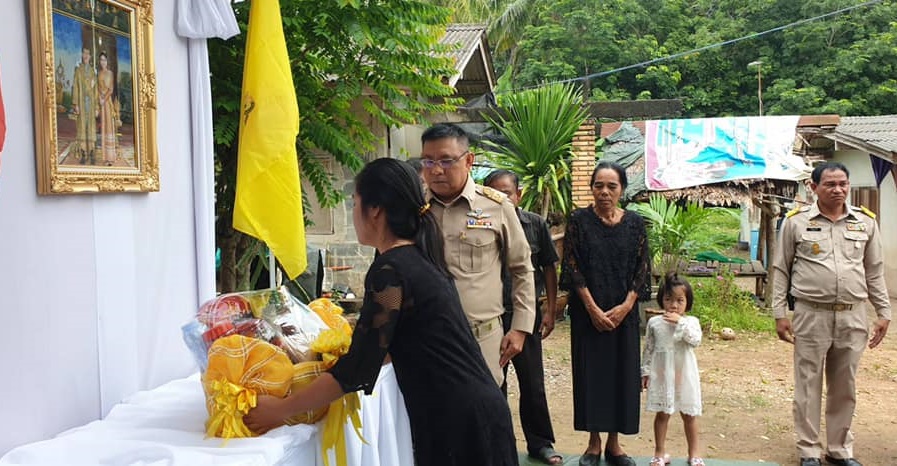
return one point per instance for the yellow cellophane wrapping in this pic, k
(331, 314)
(305, 373)
(240, 369)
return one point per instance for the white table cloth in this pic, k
(165, 426)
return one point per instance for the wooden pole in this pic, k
(771, 240)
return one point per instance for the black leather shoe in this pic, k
(842, 461)
(590, 459)
(810, 462)
(619, 460)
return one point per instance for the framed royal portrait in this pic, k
(94, 87)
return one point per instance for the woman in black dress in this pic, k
(606, 269)
(411, 310)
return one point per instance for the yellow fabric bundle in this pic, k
(305, 373)
(331, 314)
(240, 368)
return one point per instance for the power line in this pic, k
(706, 47)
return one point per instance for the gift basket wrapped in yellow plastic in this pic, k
(268, 343)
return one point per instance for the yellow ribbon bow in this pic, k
(231, 402)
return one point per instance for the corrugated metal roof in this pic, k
(468, 36)
(876, 131)
(472, 59)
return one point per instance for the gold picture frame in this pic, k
(94, 86)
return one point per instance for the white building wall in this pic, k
(93, 288)
(861, 175)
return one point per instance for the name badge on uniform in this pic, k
(479, 223)
(856, 227)
(814, 228)
(478, 213)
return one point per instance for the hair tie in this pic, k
(423, 209)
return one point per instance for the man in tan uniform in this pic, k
(481, 230)
(830, 260)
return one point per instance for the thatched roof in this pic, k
(625, 145)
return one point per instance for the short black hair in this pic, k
(445, 130)
(605, 165)
(496, 175)
(673, 280)
(816, 176)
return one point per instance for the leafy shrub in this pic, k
(719, 302)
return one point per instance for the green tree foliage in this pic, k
(353, 63)
(539, 125)
(846, 63)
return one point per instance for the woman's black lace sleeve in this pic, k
(641, 280)
(571, 275)
(358, 369)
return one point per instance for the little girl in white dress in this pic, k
(670, 368)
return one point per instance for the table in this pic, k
(165, 426)
(753, 269)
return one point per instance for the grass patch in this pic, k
(718, 233)
(719, 302)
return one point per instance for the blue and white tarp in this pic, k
(692, 152)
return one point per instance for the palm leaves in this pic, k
(539, 125)
(669, 227)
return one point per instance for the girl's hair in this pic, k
(394, 186)
(670, 282)
(605, 165)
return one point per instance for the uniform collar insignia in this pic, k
(478, 213)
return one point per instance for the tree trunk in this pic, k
(227, 274)
(234, 274)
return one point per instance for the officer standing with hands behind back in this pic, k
(830, 260)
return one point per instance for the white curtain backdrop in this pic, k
(199, 20)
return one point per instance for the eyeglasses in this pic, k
(444, 164)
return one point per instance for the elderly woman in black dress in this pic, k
(411, 309)
(606, 269)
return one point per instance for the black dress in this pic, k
(611, 261)
(457, 413)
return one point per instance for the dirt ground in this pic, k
(747, 388)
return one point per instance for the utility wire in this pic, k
(706, 47)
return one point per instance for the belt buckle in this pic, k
(838, 307)
(482, 328)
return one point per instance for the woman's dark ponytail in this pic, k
(395, 186)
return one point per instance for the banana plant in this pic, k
(669, 228)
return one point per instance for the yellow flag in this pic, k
(268, 201)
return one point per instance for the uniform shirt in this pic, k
(542, 253)
(479, 228)
(830, 262)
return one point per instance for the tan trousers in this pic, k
(829, 341)
(489, 337)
